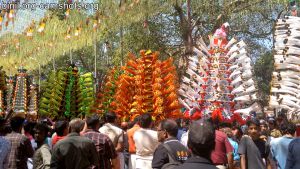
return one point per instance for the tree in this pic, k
(263, 69)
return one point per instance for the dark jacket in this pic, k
(197, 162)
(74, 152)
(160, 157)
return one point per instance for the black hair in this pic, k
(4, 127)
(202, 151)
(170, 127)
(253, 121)
(60, 127)
(224, 125)
(110, 117)
(101, 121)
(92, 121)
(16, 123)
(264, 133)
(201, 138)
(179, 122)
(146, 120)
(288, 128)
(136, 120)
(214, 122)
(29, 126)
(42, 127)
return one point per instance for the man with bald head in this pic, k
(171, 149)
(124, 126)
(74, 151)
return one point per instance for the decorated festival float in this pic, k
(19, 95)
(219, 81)
(68, 94)
(105, 97)
(285, 93)
(146, 85)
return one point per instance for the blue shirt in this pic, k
(279, 150)
(179, 134)
(293, 158)
(4, 152)
(235, 145)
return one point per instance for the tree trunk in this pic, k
(186, 34)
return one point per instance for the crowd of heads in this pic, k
(201, 133)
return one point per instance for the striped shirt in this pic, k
(21, 150)
(104, 146)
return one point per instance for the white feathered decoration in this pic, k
(217, 76)
(285, 85)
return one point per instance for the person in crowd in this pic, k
(74, 151)
(222, 156)
(124, 127)
(21, 148)
(201, 143)
(263, 126)
(264, 136)
(131, 132)
(105, 148)
(29, 133)
(184, 138)
(253, 151)
(42, 156)
(235, 145)
(115, 134)
(281, 119)
(61, 129)
(181, 129)
(4, 145)
(131, 144)
(297, 134)
(293, 157)
(50, 124)
(279, 146)
(146, 142)
(274, 132)
(170, 148)
(237, 133)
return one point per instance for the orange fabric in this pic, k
(130, 134)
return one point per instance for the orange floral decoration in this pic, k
(148, 85)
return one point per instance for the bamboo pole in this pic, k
(39, 77)
(53, 64)
(122, 46)
(95, 61)
(71, 57)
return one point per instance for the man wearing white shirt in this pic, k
(184, 138)
(115, 134)
(146, 141)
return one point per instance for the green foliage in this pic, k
(51, 101)
(67, 94)
(86, 94)
(263, 69)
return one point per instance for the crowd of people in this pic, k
(105, 143)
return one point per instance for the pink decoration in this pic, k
(221, 33)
